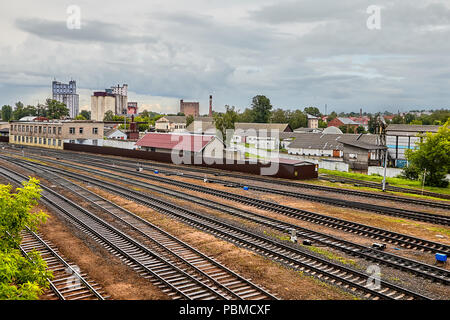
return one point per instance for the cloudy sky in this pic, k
(297, 53)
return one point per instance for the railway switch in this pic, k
(293, 235)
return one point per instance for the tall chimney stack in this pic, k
(210, 106)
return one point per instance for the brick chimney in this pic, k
(210, 106)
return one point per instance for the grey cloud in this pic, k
(90, 31)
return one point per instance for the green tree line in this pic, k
(52, 109)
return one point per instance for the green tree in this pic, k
(80, 117)
(314, 111)
(225, 121)
(86, 114)
(189, 120)
(409, 117)
(7, 113)
(343, 129)
(279, 116)
(322, 124)
(373, 123)
(261, 109)
(432, 157)
(20, 277)
(18, 112)
(109, 116)
(56, 109)
(398, 120)
(247, 116)
(297, 119)
(360, 129)
(333, 115)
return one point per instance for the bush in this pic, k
(20, 277)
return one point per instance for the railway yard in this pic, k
(122, 229)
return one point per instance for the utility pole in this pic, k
(385, 169)
(423, 182)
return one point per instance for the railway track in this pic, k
(177, 282)
(408, 214)
(169, 247)
(126, 163)
(289, 255)
(408, 265)
(67, 283)
(406, 241)
(385, 210)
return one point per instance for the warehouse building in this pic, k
(402, 137)
(183, 144)
(53, 134)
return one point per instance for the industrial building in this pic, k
(401, 137)
(260, 135)
(67, 94)
(114, 100)
(190, 108)
(53, 134)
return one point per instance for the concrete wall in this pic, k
(130, 145)
(334, 165)
(390, 172)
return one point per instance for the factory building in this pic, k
(102, 102)
(114, 100)
(190, 108)
(67, 94)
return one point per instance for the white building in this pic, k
(67, 94)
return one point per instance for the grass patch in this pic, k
(399, 182)
(332, 256)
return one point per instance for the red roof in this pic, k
(185, 142)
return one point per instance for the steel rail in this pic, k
(261, 244)
(344, 225)
(418, 268)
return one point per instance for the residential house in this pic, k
(347, 122)
(171, 124)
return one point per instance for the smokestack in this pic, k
(210, 106)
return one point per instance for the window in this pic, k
(59, 130)
(59, 143)
(35, 140)
(72, 130)
(40, 129)
(15, 138)
(40, 140)
(81, 130)
(35, 129)
(45, 129)
(54, 141)
(45, 141)
(54, 130)
(94, 130)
